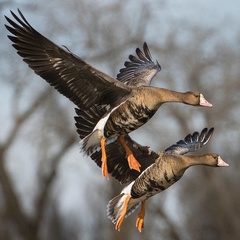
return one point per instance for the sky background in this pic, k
(223, 15)
(167, 15)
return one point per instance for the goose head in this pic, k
(196, 99)
(217, 161)
(210, 159)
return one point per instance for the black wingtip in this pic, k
(21, 14)
(21, 19)
(145, 45)
(159, 66)
(206, 135)
(148, 54)
(191, 142)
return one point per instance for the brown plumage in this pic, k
(160, 173)
(158, 170)
(128, 107)
(117, 162)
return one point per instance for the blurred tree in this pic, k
(50, 191)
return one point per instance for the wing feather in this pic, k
(191, 143)
(140, 70)
(70, 75)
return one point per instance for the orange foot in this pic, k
(140, 219)
(132, 162)
(123, 213)
(104, 158)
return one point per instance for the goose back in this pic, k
(141, 105)
(167, 170)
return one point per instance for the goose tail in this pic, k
(116, 205)
(91, 143)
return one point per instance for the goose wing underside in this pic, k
(117, 162)
(69, 74)
(86, 120)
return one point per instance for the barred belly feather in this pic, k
(127, 118)
(153, 180)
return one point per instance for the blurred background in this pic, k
(49, 190)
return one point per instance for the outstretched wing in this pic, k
(69, 74)
(86, 120)
(140, 70)
(191, 143)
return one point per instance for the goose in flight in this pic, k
(128, 106)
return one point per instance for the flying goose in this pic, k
(162, 170)
(128, 107)
(158, 172)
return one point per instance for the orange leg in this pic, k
(140, 219)
(132, 161)
(123, 213)
(104, 158)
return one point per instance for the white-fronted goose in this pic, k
(129, 107)
(158, 171)
(160, 174)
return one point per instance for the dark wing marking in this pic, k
(140, 70)
(191, 143)
(86, 120)
(117, 162)
(69, 74)
(116, 155)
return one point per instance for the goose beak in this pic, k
(204, 102)
(221, 163)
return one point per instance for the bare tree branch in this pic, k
(24, 117)
(47, 182)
